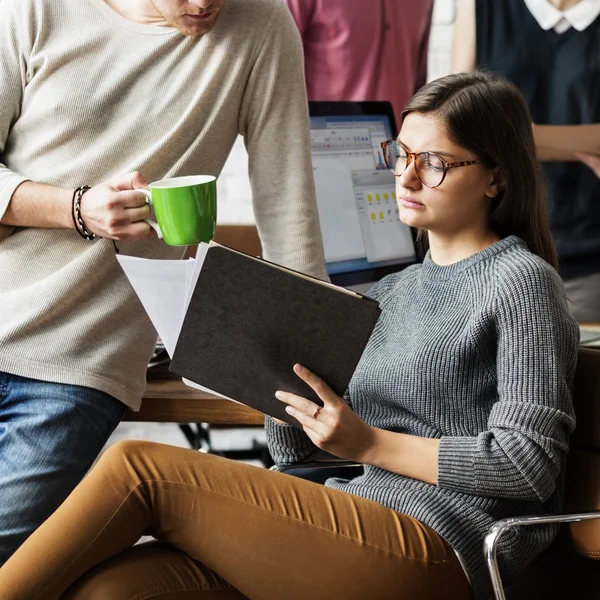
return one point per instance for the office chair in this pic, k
(582, 492)
(562, 571)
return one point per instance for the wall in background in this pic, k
(441, 38)
(235, 205)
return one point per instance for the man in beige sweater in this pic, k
(113, 94)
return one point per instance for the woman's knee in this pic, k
(128, 451)
(126, 459)
(146, 460)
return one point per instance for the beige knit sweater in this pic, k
(85, 95)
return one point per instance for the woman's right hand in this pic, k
(115, 211)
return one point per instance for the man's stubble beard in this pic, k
(187, 31)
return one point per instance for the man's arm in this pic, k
(464, 42)
(563, 142)
(14, 52)
(110, 210)
(39, 205)
(275, 126)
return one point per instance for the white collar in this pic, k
(580, 16)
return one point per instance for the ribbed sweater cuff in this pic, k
(287, 444)
(456, 464)
(9, 183)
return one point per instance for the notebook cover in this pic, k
(248, 322)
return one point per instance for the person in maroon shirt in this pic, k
(355, 50)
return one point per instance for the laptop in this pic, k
(363, 236)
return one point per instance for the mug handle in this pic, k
(150, 222)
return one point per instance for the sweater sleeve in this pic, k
(288, 444)
(521, 454)
(275, 126)
(14, 50)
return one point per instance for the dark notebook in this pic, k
(249, 321)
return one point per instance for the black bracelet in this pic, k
(80, 227)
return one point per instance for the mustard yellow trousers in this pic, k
(225, 531)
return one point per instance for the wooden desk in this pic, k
(171, 401)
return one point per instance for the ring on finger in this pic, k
(317, 411)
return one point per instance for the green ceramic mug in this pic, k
(185, 209)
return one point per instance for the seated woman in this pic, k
(460, 409)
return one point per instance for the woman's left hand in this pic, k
(334, 427)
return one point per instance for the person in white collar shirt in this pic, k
(551, 50)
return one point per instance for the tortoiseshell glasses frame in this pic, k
(420, 159)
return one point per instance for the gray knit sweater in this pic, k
(480, 354)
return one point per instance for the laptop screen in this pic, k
(363, 236)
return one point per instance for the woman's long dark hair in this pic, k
(487, 115)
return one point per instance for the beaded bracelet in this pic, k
(80, 227)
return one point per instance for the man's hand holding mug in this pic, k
(185, 209)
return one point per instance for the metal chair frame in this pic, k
(333, 463)
(499, 528)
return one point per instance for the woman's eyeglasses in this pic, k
(430, 168)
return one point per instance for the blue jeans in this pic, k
(50, 434)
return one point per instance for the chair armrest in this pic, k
(319, 471)
(493, 536)
(334, 463)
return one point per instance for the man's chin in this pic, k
(188, 27)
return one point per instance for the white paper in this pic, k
(165, 288)
(196, 266)
(197, 386)
(161, 286)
